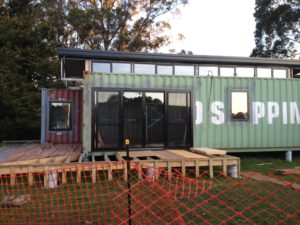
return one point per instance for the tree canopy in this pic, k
(31, 31)
(120, 24)
(277, 31)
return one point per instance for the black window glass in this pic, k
(74, 68)
(178, 119)
(239, 105)
(60, 116)
(107, 119)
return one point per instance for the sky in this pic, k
(214, 27)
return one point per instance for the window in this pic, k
(279, 73)
(245, 72)
(164, 69)
(184, 70)
(208, 71)
(296, 72)
(121, 68)
(101, 67)
(74, 68)
(144, 68)
(239, 105)
(60, 116)
(227, 71)
(264, 72)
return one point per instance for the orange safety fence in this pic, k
(101, 194)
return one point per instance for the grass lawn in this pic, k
(267, 162)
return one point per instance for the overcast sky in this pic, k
(214, 27)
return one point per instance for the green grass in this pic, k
(267, 162)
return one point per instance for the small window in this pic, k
(60, 116)
(226, 71)
(184, 70)
(239, 105)
(74, 68)
(279, 73)
(101, 67)
(144, 68)
(208, 71)
(264, 72)
(296, 72)
(245, 72)
(164, 69)
(121, 68)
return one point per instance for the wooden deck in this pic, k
(40, 154)
(42, 159)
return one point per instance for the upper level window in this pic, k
(264, 72)
(74, 68)
(165, 69)
(121, 68)
(144, 68)
(208, 71)
(239, 105)
(279, 73)
(244, 71)
(101, 67)
(60, 116)
(227, 71)
(296, 72)
(184, 70)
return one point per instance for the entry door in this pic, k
(144, 118)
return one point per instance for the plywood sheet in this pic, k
(40, 153)
(188, 154)
(208, 151)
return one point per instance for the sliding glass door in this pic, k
(149, 119)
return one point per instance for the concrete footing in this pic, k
(289, 156)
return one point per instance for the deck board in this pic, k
(39, 153)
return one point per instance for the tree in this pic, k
(124, 25)
(28, 62)
(277, 28)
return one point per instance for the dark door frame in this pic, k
(121, 115)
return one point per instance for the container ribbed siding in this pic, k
(66, 136)
(235, 136)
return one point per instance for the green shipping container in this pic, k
(236, 114)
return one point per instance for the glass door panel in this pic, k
(107, 114)
(178, 119)
(133, 117)
(154, 119)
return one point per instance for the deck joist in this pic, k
(166, 159)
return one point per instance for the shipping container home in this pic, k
(162, 101)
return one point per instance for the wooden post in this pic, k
(46, 176)
(12, 177)
(78, 174)
(197, 168)
(30, 176)
(139, 168)
(63, 176)
(156, 170)
(169, 164)
(94, 173)
(183, 167)
(211, 169)
(224, 168)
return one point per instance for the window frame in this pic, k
(71, 116)
(248, 105)
(208, 65)
(280, 68)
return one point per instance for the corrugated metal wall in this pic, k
(282, 134)
(66, 136)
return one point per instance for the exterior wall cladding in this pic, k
(74, 135)
(274, 119)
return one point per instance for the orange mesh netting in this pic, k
(99, 194)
